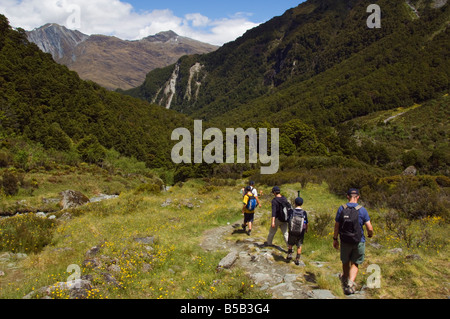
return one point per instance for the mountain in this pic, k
(318, 62)
(112, 62)
(45, 102)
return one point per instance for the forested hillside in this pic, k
(318, 62)
(46, 103)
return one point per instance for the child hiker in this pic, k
(298, 226)
(248, 209)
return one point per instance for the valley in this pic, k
(158, 209)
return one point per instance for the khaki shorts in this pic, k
(353, 252)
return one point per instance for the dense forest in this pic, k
(43, 102)
(318, 62)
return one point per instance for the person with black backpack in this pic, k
(298, 226)
(281, 210)
(350, 219)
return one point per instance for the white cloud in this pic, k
(197, 19)
(118, 18)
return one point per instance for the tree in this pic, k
(57, 139)
(90, 150)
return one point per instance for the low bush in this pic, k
(25, 233)
(10, 183)
(148, 188)
(322, 223)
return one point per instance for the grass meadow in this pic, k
(172, 265)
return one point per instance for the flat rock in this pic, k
(149, 240)
(395, 251)
(228, 260)
(321, 294)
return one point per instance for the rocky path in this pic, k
(266, 266)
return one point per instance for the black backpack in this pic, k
(349, 228)
(284, 209)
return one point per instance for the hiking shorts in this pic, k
(249, 217)
(353, 252)
(296, 240)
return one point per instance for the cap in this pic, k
(251, 183)
(353, 191)
(299, 201)
(276, 189)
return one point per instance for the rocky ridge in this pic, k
(110, 61)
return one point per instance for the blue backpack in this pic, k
(251, 204)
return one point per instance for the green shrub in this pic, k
(5, 158)
(114, 161)
(26, 233)
(57, 139)
(339, 180)
(148, 188)
(90, 150)
(208, 189)
(322, 223)
(10, 183)
(183, 173)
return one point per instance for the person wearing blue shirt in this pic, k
(352, 251)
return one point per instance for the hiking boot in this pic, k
(244, 227)
(249, 232)
(297, 260)
(289, 256)
(350, 288)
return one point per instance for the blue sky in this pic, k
(215, 22)
(260, 11)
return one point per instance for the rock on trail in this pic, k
(260, 263)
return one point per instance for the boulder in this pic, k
(410, 171)
(72, 199)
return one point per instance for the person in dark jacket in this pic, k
(275, 222)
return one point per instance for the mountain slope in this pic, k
(112, 62)
(47, 103)
(297, 65)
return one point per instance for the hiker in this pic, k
(254, 192)
(250, 202)
(298, 226)
(279, 220)
(350, 219)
